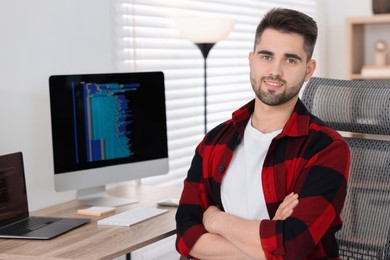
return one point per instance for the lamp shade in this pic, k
(200, 29)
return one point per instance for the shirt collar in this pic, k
(297, 125)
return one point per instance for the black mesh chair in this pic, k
(360, 111)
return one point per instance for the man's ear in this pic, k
(250, 56)
(311, 67)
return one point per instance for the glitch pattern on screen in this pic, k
(108, 118)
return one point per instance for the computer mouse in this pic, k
(170, 202)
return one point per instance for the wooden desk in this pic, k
(98, 242)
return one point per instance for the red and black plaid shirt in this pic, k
(307, 157)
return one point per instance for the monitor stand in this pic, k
(97, 196)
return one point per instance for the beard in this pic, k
(271, 97)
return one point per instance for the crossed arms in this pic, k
(232, 237)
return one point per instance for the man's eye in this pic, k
(265, 57)
(291, 61)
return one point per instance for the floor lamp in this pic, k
(204, 32)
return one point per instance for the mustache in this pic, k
(276, 78)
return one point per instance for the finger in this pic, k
(290, 204)
(290, 200)
(290, 209)
(285, 210)
(290, 197)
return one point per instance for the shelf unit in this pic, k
(357, 36)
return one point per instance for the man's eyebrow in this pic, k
(265, 52)
(292, 55)
(287, 55)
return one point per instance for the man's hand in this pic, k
(286, 208)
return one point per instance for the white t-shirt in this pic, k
(241, 189)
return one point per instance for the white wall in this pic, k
(40, 38)
(44, 37)
(337, 11)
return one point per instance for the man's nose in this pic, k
(276, 68)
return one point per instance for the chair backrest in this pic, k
(360, 111)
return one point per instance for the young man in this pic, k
(240, 198)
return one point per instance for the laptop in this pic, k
(15, 221)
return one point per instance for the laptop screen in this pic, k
(13, 193)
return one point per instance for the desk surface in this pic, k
(98, 242)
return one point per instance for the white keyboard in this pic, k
(132, 216)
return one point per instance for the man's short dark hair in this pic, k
(290, 21)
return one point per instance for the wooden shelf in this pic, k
(357, 36)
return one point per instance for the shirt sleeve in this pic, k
(321, 180)
(190, 211)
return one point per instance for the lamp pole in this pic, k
(204, 32)
(205, 49)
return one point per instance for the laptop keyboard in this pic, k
(28, 225)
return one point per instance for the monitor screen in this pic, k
(107, 128)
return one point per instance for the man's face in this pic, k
(279, 67)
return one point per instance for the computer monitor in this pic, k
(107, 128)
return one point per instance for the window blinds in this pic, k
(145, 39)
